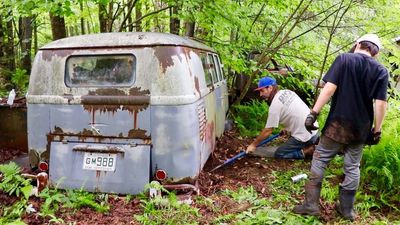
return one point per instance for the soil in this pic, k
(244, 172)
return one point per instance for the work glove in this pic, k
(310, 120)
(373, 137)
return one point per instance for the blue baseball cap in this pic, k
(265, 82)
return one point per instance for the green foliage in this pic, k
(381, 163)
(80, 198)
(20, 80)
(273, 216)
(12, 214)
(166, 210)
(250, 117)
(260, 211)
(13, 182)
(243, 194)
(74, 199)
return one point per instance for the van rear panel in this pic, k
(113, 168)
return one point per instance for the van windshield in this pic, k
(100, 70)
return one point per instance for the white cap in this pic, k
(373, 38)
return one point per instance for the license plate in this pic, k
(99, 161)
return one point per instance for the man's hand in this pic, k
(251, 148)
(310, 120)
(373, 137)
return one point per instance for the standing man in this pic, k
(285, 108)
(354, 80)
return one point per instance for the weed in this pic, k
(243, 194)
(77, 199)
(13, 182)
(166, 210)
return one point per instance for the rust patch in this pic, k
(48, 54)
(197, 85)
(187, 56)
(187, 52)
(134, 108)
(58, 130)
(98, 173)
(210, 134)
(42, 180)
(164, 55)
(101, 108)
(69, 97)
(136, 91)
(110, 100)
(138, 133)
(107, 91)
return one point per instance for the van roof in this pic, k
(124, 39)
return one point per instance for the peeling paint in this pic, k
(164, 55)
(48, 54)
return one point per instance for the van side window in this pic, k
(218, 68)
(206, 70)
(100, 70)
(212, 68)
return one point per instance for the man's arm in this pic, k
(380, 111)
(326, 93)
(266, 132)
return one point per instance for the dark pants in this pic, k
(326, 150)
(291, 149)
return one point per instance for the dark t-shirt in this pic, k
(359, 79)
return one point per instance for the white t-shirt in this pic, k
(291, 112)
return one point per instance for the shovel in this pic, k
(243, 153)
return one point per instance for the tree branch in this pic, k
(149, 14)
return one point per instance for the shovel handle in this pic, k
(241, 154)
(269, 139)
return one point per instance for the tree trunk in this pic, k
(174, 22)
(35, 36)
(189, 27)
(82, 20)
(10, 56)
(103, 18)
(26, 42)
(2, 49)
(57, 26)
(138, 12)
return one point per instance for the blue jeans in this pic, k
(291, 149)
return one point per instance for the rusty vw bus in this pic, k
(111, 112)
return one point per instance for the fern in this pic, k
(380, 167)
(250, 117)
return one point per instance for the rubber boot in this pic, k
(345, 206)
(310, 205)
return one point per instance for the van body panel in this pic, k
(131, 169)
(143, 93)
